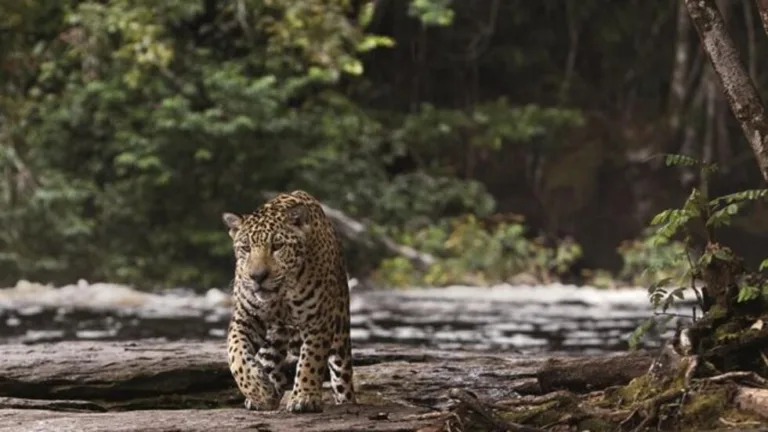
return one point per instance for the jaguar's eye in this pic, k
(245, 248)
(277, 245)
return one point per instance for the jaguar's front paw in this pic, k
(264, 406)
(305, 403)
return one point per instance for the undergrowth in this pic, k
(471, 251)
(687, 235)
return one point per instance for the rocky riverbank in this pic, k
(532, 319)
(164, 386)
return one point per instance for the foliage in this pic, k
(469, 251)
(649, 259)
(431, 12)
(130, 126)
(487, 126)
(696, 221)
(126, 128)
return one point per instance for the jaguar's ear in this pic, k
(233, 222)
(298, 215)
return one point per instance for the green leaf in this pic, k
(747, 293)
(203, 154)
(680, 160)
(659, 283)
(432, 12)
(740, 197)
(723, 255)
(639, 332)
(365, 15)
(373, 41)
(353, 67)
(664, 216)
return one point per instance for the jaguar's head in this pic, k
(270, 246)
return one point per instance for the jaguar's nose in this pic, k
(260, 275)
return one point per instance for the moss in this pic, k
(552, 412)
(705, 408)
(728, 332)
(647, 386)
(536, 414)
(638, 389)
(702, 409)
(596, 425)
(717, 312)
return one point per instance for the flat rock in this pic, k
(155, 385)
(337, 418)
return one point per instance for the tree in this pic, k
(739, 89)
(729, 340)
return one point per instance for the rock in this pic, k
(154, 385)
(385, 418)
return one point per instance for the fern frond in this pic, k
(722, 216)
(670, 229)
(742, 196)
(708, 169)
(671, 216)
(671, 159)
(694, 206)
(747, 293)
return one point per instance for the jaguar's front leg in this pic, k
(306, 395)
(272, 357)
(245, 338)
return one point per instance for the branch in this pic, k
(487, 413)
(682, 60)
(357, 232)
(750, 376)
(739, 88)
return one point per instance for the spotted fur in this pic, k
(290, 297)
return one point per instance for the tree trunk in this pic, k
(739, 88)
(762, 8)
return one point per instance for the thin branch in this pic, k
(682, 60)
(487, 413)
(574, 31)
(748, 376)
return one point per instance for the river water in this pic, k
(528, 319)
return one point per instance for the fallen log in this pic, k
(587, 374)
(155, 374)
(358, 233)
(162, 386)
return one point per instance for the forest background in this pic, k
(510, 140)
